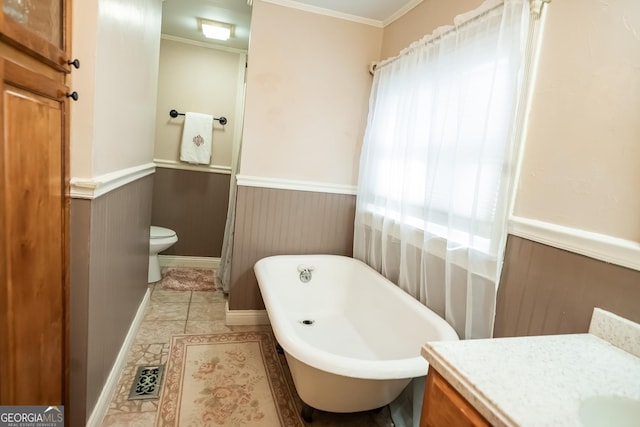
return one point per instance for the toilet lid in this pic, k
(161, 232)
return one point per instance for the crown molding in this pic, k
(202, 44)
(401, 12)
(326, 12)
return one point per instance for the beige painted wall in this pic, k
(83, 43)
(198, 79)
(307, 95)
(580, 165)
(112, 125)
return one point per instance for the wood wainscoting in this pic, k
(545, 290)
(278, 221)
(109, 270)
(194, 204)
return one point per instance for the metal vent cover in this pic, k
(147, 382)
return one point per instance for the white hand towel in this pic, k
(196, 138)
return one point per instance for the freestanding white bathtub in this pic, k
(351, 337)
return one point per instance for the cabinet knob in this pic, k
(73, 95)
(75, 63)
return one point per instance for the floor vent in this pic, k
(146, 384)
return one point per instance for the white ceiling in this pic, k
(373, 10)
(179, 17)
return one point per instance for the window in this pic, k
(437, 163)
(441, 164)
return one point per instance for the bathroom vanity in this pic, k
(446, 407)
(560, 380)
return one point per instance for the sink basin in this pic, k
(609, 411)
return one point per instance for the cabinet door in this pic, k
(38, 28)
(443, 406)
(33, 238)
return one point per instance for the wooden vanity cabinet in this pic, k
(443, 406)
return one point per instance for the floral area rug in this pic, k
(227, 379)
(188, 279)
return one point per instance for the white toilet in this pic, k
(160, 238)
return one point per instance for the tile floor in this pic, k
(192, 312)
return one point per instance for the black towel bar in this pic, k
(174, 114)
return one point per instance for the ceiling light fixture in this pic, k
(215, 30)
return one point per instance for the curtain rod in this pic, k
(535, 7)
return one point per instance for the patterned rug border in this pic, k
(171, 393)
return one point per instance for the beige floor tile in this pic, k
(159, 331)
(164, 358)
(119, 402)
(245, 328)
(138, 419)
(206, 311)
(160, 310)
(146, 354)
(207, 297)
(170, 296)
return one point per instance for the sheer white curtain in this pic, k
(437, 162)
(223, 275)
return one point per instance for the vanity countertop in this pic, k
(543, 380)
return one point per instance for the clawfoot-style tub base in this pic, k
(306, 412)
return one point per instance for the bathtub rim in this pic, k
(388, 369)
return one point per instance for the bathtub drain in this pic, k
(307, 322)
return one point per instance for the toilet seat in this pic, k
(161, 232)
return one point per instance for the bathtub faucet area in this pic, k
(305, 272)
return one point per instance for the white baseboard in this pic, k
(245, 317)
(188, 261)
(110, 386)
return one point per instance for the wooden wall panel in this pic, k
(109, 266)
(275, 222)
(193, 204)
(80, 230)
(545, 290)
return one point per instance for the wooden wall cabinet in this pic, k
(34, 202)
(443, 406)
